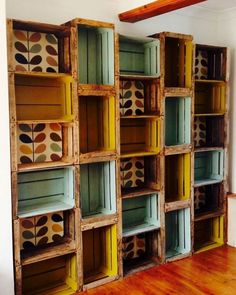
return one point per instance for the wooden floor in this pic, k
(212, 272)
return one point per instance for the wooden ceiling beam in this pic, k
(155, 8)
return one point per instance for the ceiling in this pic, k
(218, 5)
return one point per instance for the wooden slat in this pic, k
(155, 8)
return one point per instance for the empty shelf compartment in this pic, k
(44, 143)
(208, 167)
(95, 55)
(139, 56)
(140, 214)
(210, 97)
(178, 232)
(139, 175)
(97, 123)
(209, 131)
(99, 253)
(177, 177)
(53, 276)
(210, 62)
(45, 191)
(208, 198)
(98, 188)
(208, 233)
(178, 62)
(139, 137)
(43, 97)
(140, 251)
(139, 97)
(177, 120)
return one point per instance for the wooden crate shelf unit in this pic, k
(53, 276)
(99, 253)
(45, 191)
(177, 120)
(140, 251)
(97, 124)
(177, 177)
(208, 167)
(210, 97)
(35, 47)
(178, 237)
(139, 57)
(210, 62)
(42, 97)
(208, 233)
(98, 189)
(140, 214)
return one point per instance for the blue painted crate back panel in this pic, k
(95, 55)
(98, 188)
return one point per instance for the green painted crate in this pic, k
(46, 191)
(98, 188)
(177, 120)
(139, 57)
(95, 55)
(208, 167)
(178, 233)
(140, 214)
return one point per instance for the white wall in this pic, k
(6, 262)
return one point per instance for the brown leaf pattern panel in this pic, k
(132, 172)
(201, 65)
(41, 230)
(35, 51)
(133, 247)
(38, 143)
(199, 198)
(131, 98)
(199, 131)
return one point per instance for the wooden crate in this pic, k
(177, 177)
(139, 175)
(95, 54)
(210, 97)
(139, 57)
(178, 233)
(208, 167)
(98, 189)
(140, 251)
(46, 191)
(208, 233)
(177, 120)
(99, 253)
(210, 62)
(53, 276)
(208, 199)
(209, 131)
(97, 124)
(140, 214)
(40, 96)
(139, 136)
(139, 96)
(43, 144)
(38, 47)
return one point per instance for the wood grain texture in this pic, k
(211, 272)
(155, 8)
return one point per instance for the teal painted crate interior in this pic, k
(45, 191)
(208, 167)
(140, 214)
(98, 188)
(178, 235)
(95, 55)
(177, 120)
(139, 56)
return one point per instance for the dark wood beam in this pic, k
(155, 8)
